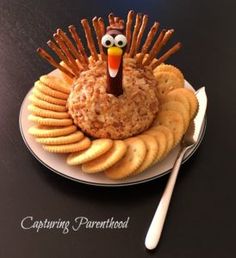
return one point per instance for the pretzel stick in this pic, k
(60, 54)
(90, 42)
(102, 26)
(78, 42)
(135, 34)
(163, 42)
(148, 42)
(70, 46)
(167, 36)
(164, 57)
(50, 59)
(165, 39)
(140, 34)
(129, 21)
(67, 53)
(111, 18)
(155, 48)
(99, 37)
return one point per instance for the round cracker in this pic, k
(177, 96)
(46, 105)
(55, 83)
(50, 92)
(180, 108)
(174, 121)
(46, 131)
(166, 82)
(50, 121)
(47, 98)
(47, 113)
(106, 160)
(169, 137)
(193, 102)
(151, 154)
(130, 162)
(161, 141)
(68, 148)
(71, 138)
(171, 69)
(97, 148)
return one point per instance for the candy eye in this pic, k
(107, 41)
(120, 40)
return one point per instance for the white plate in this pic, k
(57, 162)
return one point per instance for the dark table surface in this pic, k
(201, 218)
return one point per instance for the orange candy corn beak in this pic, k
(114, 60)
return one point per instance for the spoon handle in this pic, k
(155, 229)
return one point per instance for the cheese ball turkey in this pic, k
(114, 93)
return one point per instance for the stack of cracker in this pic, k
(118, 159)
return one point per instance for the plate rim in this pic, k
(123, 184)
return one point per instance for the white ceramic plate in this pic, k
(57, 162)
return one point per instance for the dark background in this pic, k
(201, 218)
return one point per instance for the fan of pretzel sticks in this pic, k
(74, 55)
